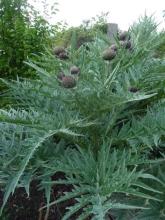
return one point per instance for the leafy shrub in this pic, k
(22, 32)
(101, 134)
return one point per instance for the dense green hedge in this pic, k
(22, 32)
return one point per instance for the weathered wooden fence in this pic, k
(112, 30)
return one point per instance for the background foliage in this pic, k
(84, 33)
(22, 32)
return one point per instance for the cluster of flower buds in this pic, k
(124, 41)
(69, 81)
(61, 53)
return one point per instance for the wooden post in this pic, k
(112, 31)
